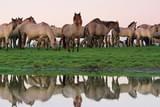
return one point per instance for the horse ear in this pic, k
(13, 19)
(75, 13)
(79, 13)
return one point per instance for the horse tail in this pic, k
(63, 41)
(86, 31)
(20, 39)
(63, 38)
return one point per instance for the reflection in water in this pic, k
(28, 89)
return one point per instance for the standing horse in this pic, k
(16, 35)
(148, 32)
(72, 31)
(128, 32)
(6, 30)
(98, 30)
(57, 31)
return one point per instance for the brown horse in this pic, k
(145, 31)
(13, 36)
(16, 35)
(35, 31)
(6, 30)
(70, 32)
(128, 32)
(97, 30)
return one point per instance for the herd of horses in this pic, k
(97, 33)
(29, 89)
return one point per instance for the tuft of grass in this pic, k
(95, 61)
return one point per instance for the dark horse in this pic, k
(96, 30)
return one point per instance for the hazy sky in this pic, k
(60, 12)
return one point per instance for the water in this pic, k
(79, 91)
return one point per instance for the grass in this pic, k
(104, 61)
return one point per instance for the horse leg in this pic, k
(64, 42)
(28, 42)
(7, 42)
(60, 43)
(39, 43)
(73, 44)
(23, 40)
(138, 41)
(67, 41)
(78, 43)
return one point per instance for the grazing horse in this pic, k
(98, 30)
(128, 32)
(33, 31)
(148, 31)
(6, 30)
(70, 32)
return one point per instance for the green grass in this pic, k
(110, 61)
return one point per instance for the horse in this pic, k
(96, 88)
(142, 32)
(72, 90)
(33, 93)
(16, 35)
(6, 30)
(57, 30)
(70, 32)
(157, 34)
(13, 37)
(128, 32)
(33, 31)
(98, 30)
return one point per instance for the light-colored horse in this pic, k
(157, 34)
(147, 31)
(128, 32)
(70, 32)
(15, 34)
(6, 30)
(57, 31)
(33, 31)
(33, 93)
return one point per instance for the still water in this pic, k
(79, 91)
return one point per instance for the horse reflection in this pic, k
(97, 88)
(28, 89)
(71, 89)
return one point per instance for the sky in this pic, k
(60, 12)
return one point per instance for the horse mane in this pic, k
(97, 20)
(145, 26)
(108, 23)
(131, 24)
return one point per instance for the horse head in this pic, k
(77, 19)
(19, 20)
(13, 23)
(156, 28)
(77, 101)
(132, 25)
(117, 26)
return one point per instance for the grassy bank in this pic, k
(118, 61)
